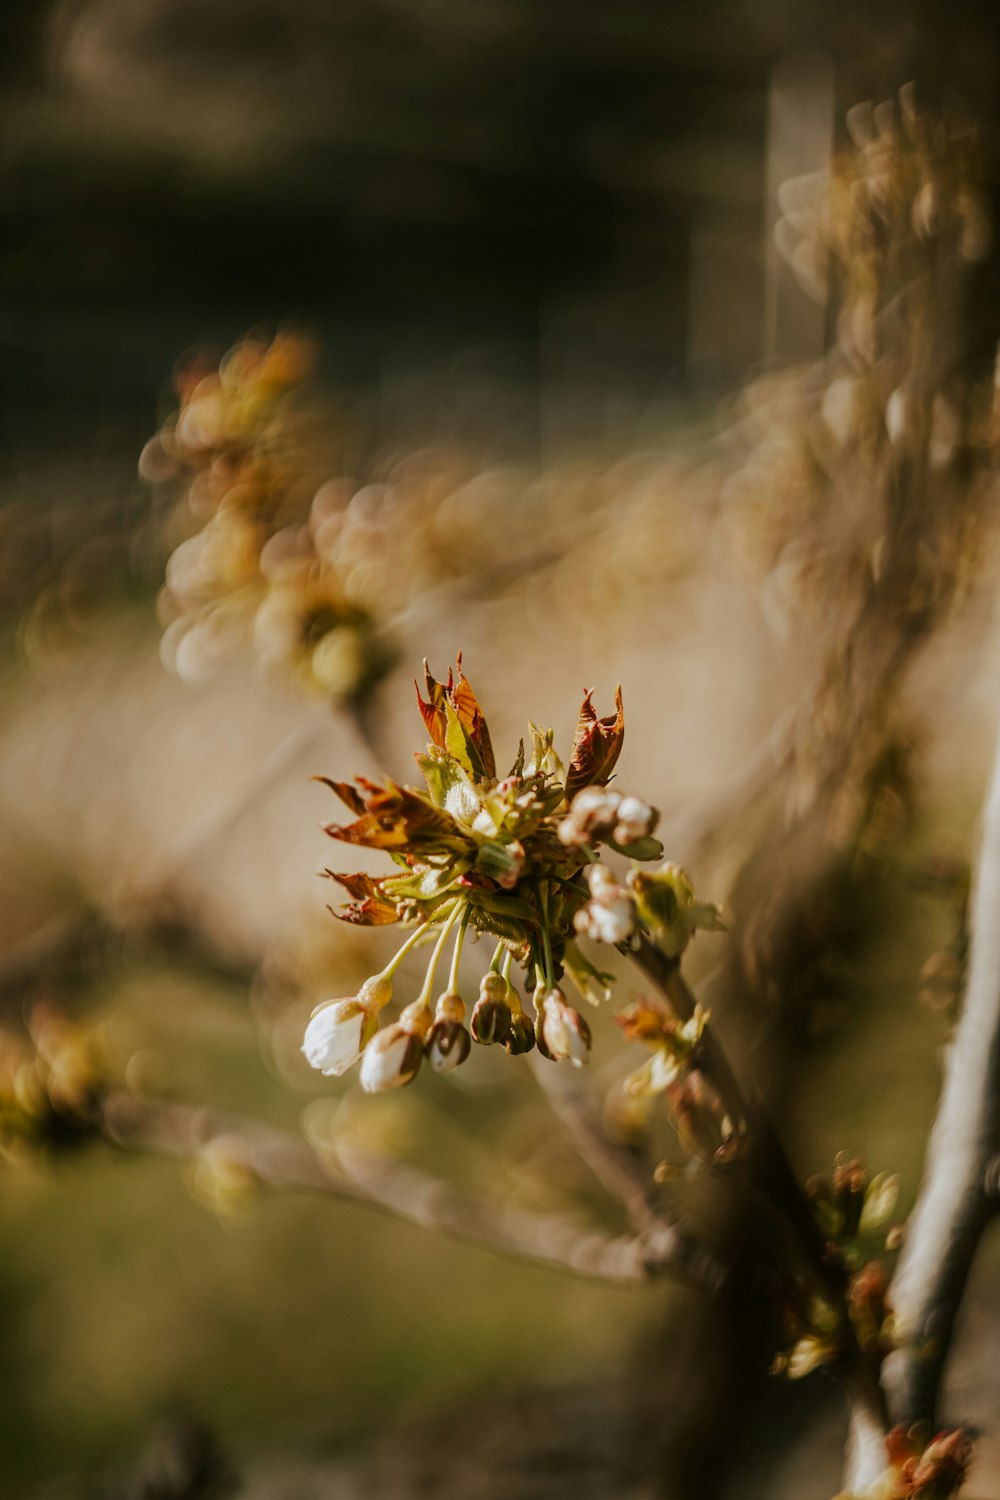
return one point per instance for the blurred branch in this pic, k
(955, 1201)
(223, 816)
(52, 950)
(282, 1160)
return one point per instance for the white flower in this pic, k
(338, 1034)
(340, 1030)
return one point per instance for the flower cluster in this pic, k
(252, 561)
(513, 857)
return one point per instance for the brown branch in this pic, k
(773, 1174)
(283, 1160)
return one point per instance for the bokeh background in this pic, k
(533, 243)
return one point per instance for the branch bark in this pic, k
(957, 1197)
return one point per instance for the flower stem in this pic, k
(549, 968)
(424, 998)
(411, 942)
(456, 956)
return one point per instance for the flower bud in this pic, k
(491, 1016)
(609, 916)
(417, 1018)
(450, 1007)
(391, 1059)
(593, 813)
(521, 1038)
(636, 820)
(665, 901)
(501, 862)
(565, 1033)
(447, 1046)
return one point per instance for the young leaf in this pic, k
(348, 794)
(368, 908)
(400, 818)
(596, 745)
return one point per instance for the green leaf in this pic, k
(645, 848)
(457, 742)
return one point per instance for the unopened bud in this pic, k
(609, 916)
(447, 1046)
(417, 1018)
(391, 1059)
(593, 813)
(636, 820)
(521, 1037)
(450, 1007)
(501, 862)
(491, 1016)
(564, 1031)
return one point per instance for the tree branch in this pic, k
(774, 1175)
(283, 1160)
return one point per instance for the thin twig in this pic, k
(626, 1177)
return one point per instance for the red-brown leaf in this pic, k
(369, 907)
(402, 819)
(432, 712)
(596, 745)
(348, 794)
(366, 914)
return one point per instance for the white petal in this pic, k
(332, 1042)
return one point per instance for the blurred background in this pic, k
(533, 249)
